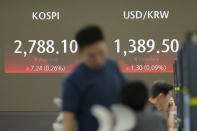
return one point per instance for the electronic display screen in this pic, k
(39, 37)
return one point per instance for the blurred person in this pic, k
(95, 81)
(162, 101)
(135, 95)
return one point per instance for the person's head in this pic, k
(134, 95)
(92, 46)
(161, 93)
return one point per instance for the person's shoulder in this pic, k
(78, 69)
(112, 62)
(75, 74)
(150, 120)
(153, 115)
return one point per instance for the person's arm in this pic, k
(122, 77)
(69, 121)
(171, 117)
(70, 104)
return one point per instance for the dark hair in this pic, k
(134, 95)
(160, 87)
(89, 35)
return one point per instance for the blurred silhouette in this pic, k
(135, 95)
(124, 120)
(131, 114)
(162, 101)
(95, 81)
